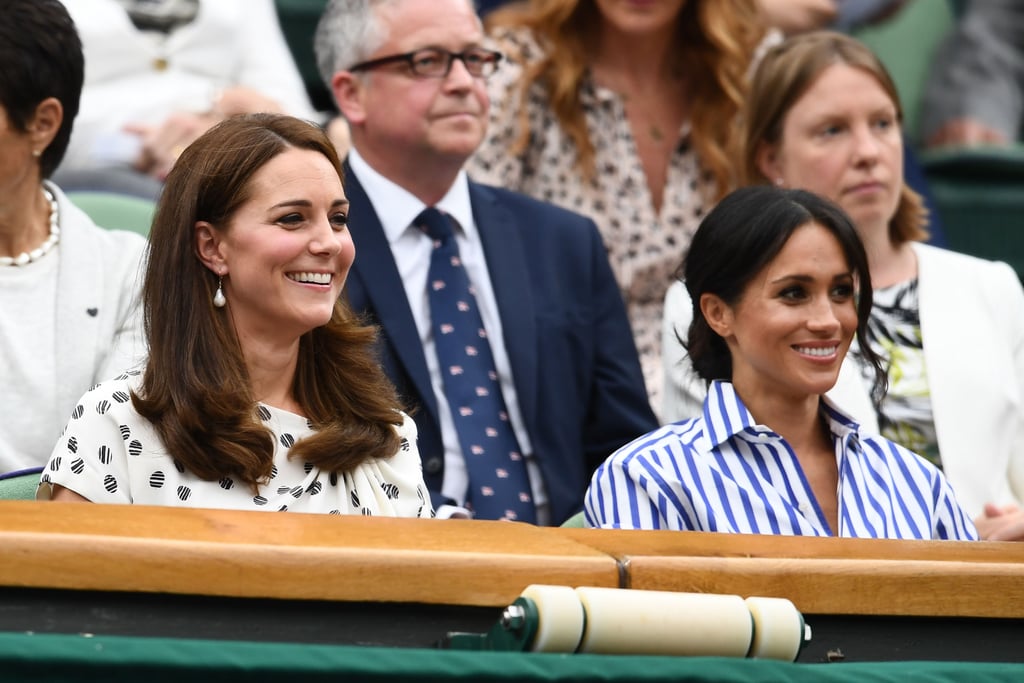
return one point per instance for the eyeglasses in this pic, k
(434, 62)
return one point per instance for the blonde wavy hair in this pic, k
(785, 73)
(716, 39)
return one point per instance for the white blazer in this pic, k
(99, 321)
(972, 324)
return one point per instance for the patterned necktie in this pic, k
(499, 487)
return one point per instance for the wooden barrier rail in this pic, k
(176, 572)
(287, 555)
(825, 575)
(207, 552)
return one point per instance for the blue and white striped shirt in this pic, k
(724, 472)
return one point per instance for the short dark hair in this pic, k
(42, 57)
(742, 235)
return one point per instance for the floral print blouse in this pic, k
(644, 247)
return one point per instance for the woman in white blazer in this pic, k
(824, 115)
(68, 289)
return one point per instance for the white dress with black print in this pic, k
(108, 453)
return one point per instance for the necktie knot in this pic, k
(436, 224)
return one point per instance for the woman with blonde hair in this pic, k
(624, 112)
(824, 115)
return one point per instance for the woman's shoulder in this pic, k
(896, 455)
(110, 396)
(684, 436)
(79, 229)
(946, 263)
(407, 433)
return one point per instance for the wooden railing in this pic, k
(487, 564)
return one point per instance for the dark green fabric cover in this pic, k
(45, 658)
(979, 194)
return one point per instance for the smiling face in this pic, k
(286, 251)
(403, 123)
(792, 325)
(841, 139)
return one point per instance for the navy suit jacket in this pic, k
(570, 346)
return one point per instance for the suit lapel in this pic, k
(375, 267)
(509, 271)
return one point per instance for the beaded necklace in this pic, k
(43, 249)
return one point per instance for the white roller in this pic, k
(778, 629)
(560, 618)
(622, 621)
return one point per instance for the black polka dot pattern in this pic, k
(110, 454)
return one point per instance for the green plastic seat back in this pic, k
(116, 211)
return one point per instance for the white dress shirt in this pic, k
(396, 209)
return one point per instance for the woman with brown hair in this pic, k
(261, 390)
(824, 115)
(625, 112)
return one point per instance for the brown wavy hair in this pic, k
(716, 40)
(785, 73)
(195, 388)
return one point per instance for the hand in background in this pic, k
(1004, 523)
(966, 132)
(163, 144)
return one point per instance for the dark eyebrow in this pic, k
(807, 278)
(797, 278)
(305, 203)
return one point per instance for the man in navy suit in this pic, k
(409, 78)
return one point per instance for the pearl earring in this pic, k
(219, 299)
(37, 153)
(778, 181)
